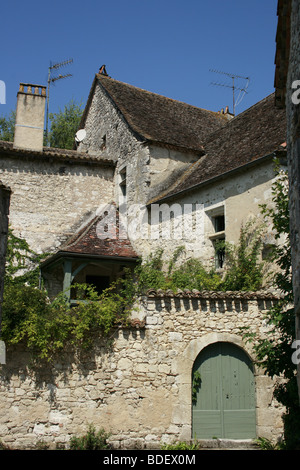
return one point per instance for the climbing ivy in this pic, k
(195, 385)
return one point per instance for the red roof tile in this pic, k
(92, 240)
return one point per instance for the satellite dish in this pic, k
(80, 135)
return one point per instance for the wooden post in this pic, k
(67, 278)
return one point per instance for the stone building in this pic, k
(4, 213)
(146, 172)
(287, 84)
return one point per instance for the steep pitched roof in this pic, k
(253, 134)
(87, 242)
(157, 119)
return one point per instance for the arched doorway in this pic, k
(223, 398)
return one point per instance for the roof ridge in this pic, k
(160, 95)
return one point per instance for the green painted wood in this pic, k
(67, 278)
(225, 405)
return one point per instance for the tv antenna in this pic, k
(52, 79)
(234, 77)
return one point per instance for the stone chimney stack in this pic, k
(30, 117)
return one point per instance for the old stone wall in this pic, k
(52, 198)
(4, 213)
(138, 387)
(293, 144)
(238, 198)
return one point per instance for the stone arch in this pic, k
(183, 365)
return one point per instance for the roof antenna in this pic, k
(234, 87)
(52, 80)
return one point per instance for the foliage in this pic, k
(22, 263)
(274, 352)
(64, 125)
(48, 328)
(195, 385)
(7, 127)
(92, 440)
(244, 269)
(149, 273)
(190, 274)
(181, 446)
(265, 444)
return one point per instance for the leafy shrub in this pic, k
(92, 440)
(49, 327)
(181, 446)
(244, 270)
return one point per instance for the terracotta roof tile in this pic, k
(87, 241)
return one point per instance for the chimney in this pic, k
(30, 117)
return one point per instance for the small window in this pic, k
(123, 181)
(219, 223)
(103, 143)
(217, 235)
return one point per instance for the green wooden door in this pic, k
(224, 401)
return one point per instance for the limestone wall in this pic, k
(51, 199)
(293, 144)
(238, 197)
(139, 387)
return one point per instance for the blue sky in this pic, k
(164, 46)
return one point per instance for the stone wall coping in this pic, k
(212, 295)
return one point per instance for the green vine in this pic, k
(195, 386)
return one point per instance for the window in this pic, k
(217, 235)
(122, 183)
(103, 143)
(219, 223)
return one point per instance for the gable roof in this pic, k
(157, 119)
(252, 135)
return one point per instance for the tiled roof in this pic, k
(256, 133)
(87, 242)
(54, 153)
(157, 119)
(213, 295)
